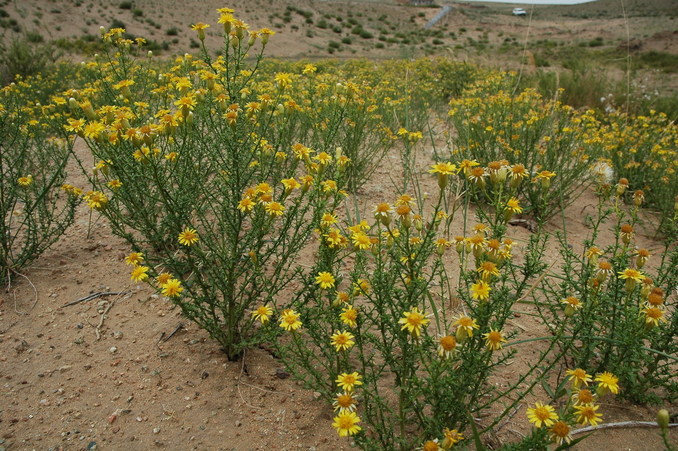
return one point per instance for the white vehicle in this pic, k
(519, 12)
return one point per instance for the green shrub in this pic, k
(34, 210)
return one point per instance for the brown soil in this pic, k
(107, 371)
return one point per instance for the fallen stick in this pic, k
(622, 424)
(108, 308)
(94, 296)
(164, 338)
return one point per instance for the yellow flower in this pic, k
(583, 396)
(188, 237)
(342, 341)
(487, 270)
(325, 280)
(172, 288)
(283, 80)
(96, 200)
(328, 219)
(480, 291)
(586, 414)
(200, 28)
(465, 326)
(494, 340)
(163, 278)
(560, 432)
(631, 276)
(653, 315)
(512, 207)
(290, 184)
(413, 321)
(289, 320)
(246, 205)
(349, 316)
(450, 438)
(467, 165)
(607, 382)
(274, 209)
(344, 402)
(115, 184)
(446, 346)
(444, 170)
(263, 313)
(361, 240)
(348, 381)
(139, 273)
(578, 376)
(542, 414)
(335, 239)
(25, 181)
(430, 445)
(346, 423)
(134, 258)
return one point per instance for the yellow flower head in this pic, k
(263, 313)
(542, 415)
(413, 321)
(274, 209)
(188, 237)
(450, 438)
(607, 382)
(342, 341)
(289, 320)
(344, 402)
(96, 200)
(587, 414)
(349, 316)
(134, 258)
(480, 291)
(578, 376)
(465, 326)
(172, 288)
(325, 280)
(139, 273)
(361, 240)
(328, 219)
(346, 423)
(487, 270)
(560, 432)
(447, 346)
(494, 340)
(25, 181)
(348, 381)
(654, 315)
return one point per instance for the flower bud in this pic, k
(663, 419)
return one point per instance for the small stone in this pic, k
(238, 423)
(117, 334)
(65, 368)
(317, 395)
(156, 430)
(92, 445)
(281, 374)
(113, 350)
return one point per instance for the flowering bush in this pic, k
(402, 348)
(616, 302)
(642, 149)
(35, 209)
(543, 135)
(211, 178)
